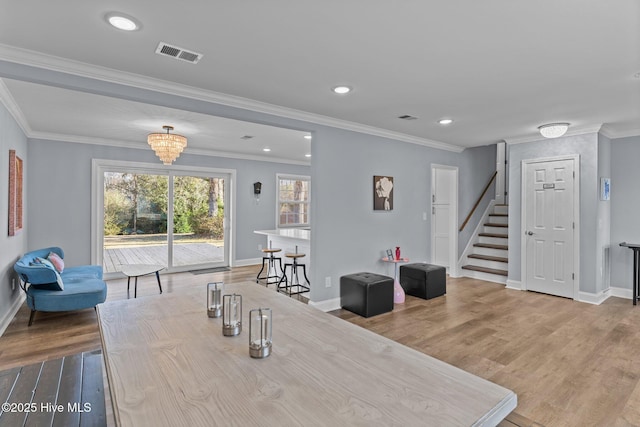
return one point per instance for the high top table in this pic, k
(168, 364)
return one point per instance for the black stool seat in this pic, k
(293, 286)
(366, 294)
(423, 280)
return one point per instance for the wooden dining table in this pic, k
(168, 364)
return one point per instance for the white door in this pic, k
(444, 215)
(549, 226)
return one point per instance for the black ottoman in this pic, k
(366, 294)
(423, 280)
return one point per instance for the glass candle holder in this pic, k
(260, 321)
(231, 315)
(214, 299)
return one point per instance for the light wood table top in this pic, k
(168, 364)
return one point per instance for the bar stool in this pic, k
(271, 273)
(288, 286)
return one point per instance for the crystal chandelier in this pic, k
(167, 146)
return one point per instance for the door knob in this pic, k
(529, 233)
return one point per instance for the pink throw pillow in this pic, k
(57, 262)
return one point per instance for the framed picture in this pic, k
(389, 254)
(382, 193)
(15, 193)
(605, 188)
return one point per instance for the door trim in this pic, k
(453, 224)
(576, 220)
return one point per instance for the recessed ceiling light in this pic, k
(445, 121)
(307, 155)
(122, 21)
(266, 149)
(307, 137)
(341, 90)
(637, 75)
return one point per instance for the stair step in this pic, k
(486, 270)
(501, 209)
(489, 258)
(498, 214)
(491, 246)
(495, 224)
(505, 236)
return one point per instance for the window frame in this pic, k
(279, 202)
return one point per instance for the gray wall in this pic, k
(348, 235)
(625, 208)
(603, 231)
(11, 248)
(587, 147)
(64, 214)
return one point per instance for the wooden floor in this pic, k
(570, 363)
(62, 392)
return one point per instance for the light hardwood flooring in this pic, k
(570, 363)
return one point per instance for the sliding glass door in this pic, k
(135, 220)
(198, 220)
(138, 204)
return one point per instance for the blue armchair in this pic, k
(75, 288)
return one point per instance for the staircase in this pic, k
(488, 258)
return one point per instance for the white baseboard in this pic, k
(8, 317)
(245, 262)
(326, 305)
(621, 292)
(514, 284)
(596, 299)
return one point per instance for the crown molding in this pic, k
(538, 137)
(142, 146)
(12, 106)
(612, 134)
(81, 69)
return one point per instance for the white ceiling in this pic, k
(68, 115)
(499, 68)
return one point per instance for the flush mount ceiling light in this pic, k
(341, 90)
(122, 21)
(307, 155)
(167, 146)
(445, 121)
(266, 149)
(553, 130)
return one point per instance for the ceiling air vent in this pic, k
(407, 117)
(178, 53)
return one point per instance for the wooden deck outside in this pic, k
(183, 254)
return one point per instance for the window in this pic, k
(293, 201)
